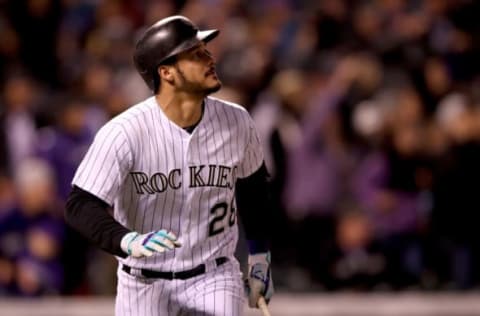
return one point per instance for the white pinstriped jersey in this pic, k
(159, 176)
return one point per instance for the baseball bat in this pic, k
(263, 306)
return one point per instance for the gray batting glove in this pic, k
(146, 245)
(259, 280)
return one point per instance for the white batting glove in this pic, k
(146, 245)
(259, 280)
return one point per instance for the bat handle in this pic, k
(263, 306)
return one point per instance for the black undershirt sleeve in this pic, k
(255, 210)
(89, 215)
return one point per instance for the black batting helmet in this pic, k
(166, 38)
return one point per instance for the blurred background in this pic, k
(369, 113)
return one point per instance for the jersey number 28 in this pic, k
(219, 211)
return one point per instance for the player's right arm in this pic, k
(89, 215)
(95, 186)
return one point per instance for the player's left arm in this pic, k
(255, 210)
(254, 207)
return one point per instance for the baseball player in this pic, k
(175, 168)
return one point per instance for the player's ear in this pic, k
(165, 72)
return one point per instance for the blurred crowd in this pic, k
(368, 110)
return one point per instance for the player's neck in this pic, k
(183, 110)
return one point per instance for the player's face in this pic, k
(195, 71)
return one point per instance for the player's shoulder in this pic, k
(128, 119)
(227, 105)
(214, 101)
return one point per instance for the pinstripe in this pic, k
(134, 145)
(142, 166)
(127, 138)
(157, 292)
(159, 160)
(169, 163)
(233, 203)
(107, 152)
(224, 159)
(88, 162)
(219, 120)
(138, 291)
(168, 304)
(183, 153)
(247, 151)
(119, 310)
(186, 295)
(149, 148)
(162, 123)
(246, 142)
(253, 152)
(128, 206)
(204, 208)
(158, 295)
(137, 305)
(125, 296)
(155, 121)
(239, 130)
(129, 295)
(215, 300)
(172, 267)
(153, 293)
(238, 153)
(109, 170)
(210, 191)
(96, 152)
(230, 144)
(149, 154)
(172, 200)
(143, 303)
(199, 208)
(108, 194)
(133, 210)
(125, 200)
(122, 162)
(182, 201)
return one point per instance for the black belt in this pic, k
(182, 275)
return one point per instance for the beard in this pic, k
(195, 87)
(213, 89)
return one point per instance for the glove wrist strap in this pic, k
(263, 258)
(126, 243)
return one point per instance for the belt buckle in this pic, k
(138, 273)
(174, 275)
(210, 265)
